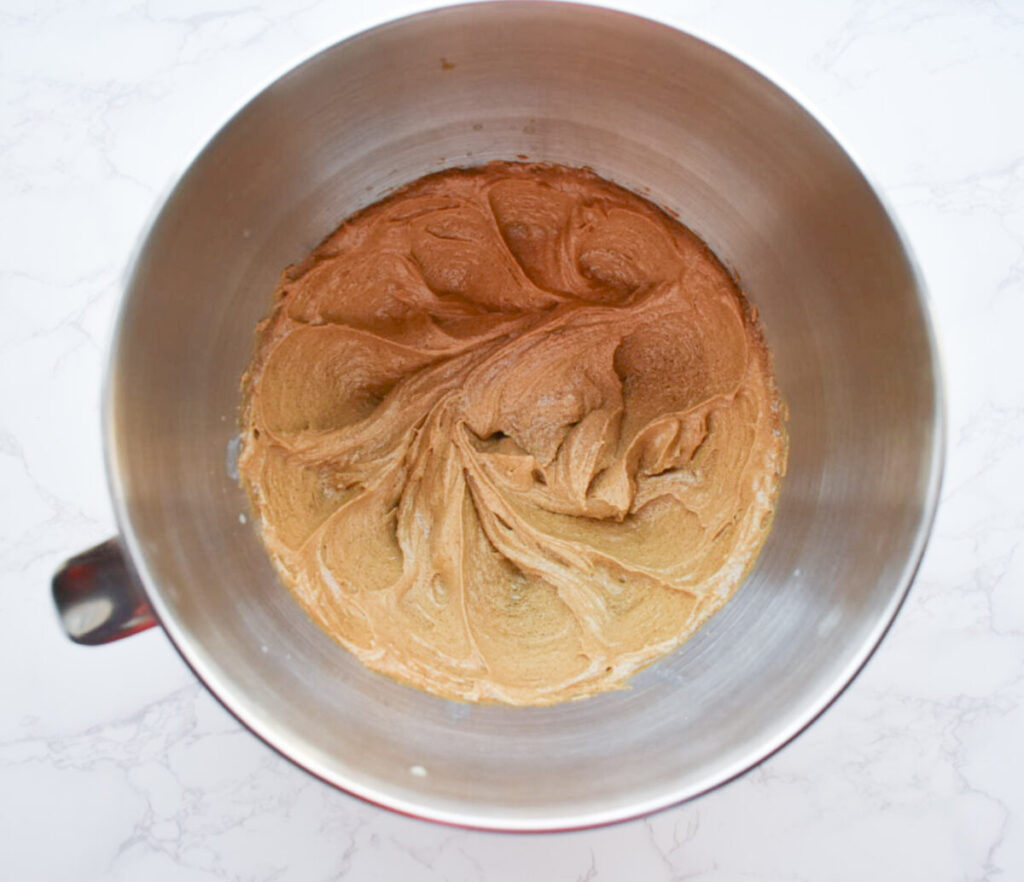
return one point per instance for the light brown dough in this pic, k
(511, 434)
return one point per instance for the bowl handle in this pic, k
(99, 598)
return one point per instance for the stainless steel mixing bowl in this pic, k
(664, 114)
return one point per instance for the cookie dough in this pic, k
(511, 434)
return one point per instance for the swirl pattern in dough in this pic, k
(511, 434)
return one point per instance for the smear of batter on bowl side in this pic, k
(511, 434)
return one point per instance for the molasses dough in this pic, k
(511, 434)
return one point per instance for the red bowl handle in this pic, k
(98, 597)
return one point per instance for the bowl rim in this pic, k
(225, 693)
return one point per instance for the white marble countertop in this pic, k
(116, 764)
